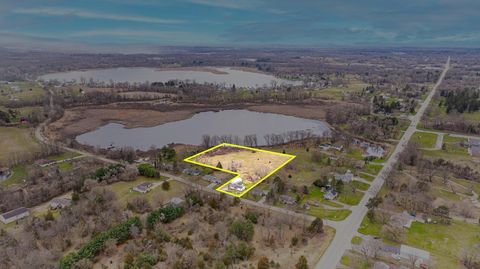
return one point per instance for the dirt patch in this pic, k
(314, 112)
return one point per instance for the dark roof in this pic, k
(144, 185)
(15, 212)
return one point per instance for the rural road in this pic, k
(348, 228)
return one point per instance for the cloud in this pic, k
(55, 11)
(234, 4)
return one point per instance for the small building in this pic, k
(330, 194)
(346, 178)
(236, 185)
(143, 187)
(474, 147)
(337, 147)
(374, 151)
(14, 215)
(176, 201)
(212, 179)
(325, 146)
(422, 256)
(5, 173)
(380, 265)
(59, 203)
(191, 172)
(288, 200)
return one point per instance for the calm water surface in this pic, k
(190, 131)
(141, 74)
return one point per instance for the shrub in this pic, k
(243, 230)
(166, 186)
(165, 214)
(147, 170)
(252, 217)
(120, 233)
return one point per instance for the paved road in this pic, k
(347, 229)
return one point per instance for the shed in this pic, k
(14, 215)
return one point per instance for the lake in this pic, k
(190, 131)
(229, 76)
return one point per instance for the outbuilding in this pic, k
(14, 215)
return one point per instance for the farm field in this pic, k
(16, 142)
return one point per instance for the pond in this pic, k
(235, 123)
(217, 75)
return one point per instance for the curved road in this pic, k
(346, 229)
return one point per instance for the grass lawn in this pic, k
(357, 240)
(19, 174)
(64, 155)
(426, 140)
(27, 91)
(123, 190)
(445, 242)
(469, 184)
(65, 166)
(360, 185)
(372, 168)
(329, 214)
(349, 197)
(446, 195)
(16, 141)
(346, 260)
(366, 176)
(315, 193)
(369, 228)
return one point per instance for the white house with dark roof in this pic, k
(236, 185)
(143, 187)
(14, 215)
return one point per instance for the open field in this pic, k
(251, 165)
(16, 141)
(21, 91)
(425, 140)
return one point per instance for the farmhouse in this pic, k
(288, 200)
(330, 195)
(14, 215)
(236, 185)
(143, 187)
(59, 203)
(4, 173)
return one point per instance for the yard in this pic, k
(330, 214)
(447, 243)
(16, 142)
(425, 140)
(22, 91)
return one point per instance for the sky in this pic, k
(264, 23)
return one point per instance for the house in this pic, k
(142, 160)
(325, 146)
(337, 147)
(236, 185)
(374, 151)
(59, 203)
(14, 215)
(143, 187)
(330, 195)
(380, 265)
(421, 255)
(212, 179)
(191, 172)
(288, 200)
(474, 147)
(346, 178)
(5, 173)
(176, 201)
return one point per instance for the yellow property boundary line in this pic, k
(189, 160)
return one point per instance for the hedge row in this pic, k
(120, 232)
(165, 214)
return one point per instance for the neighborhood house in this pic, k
(191, 172)
(143, 187)
(14, 215)
(59, 203)
(4, 173)
(236, 185)
(346, 178)
(212, 179)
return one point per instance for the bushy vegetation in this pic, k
(242, 229)
(120, 233)
(147, 170)
(165, 214)
(466, 100)
(103, 173)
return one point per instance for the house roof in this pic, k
(15, 212)
(210, 178)
(61, 201)
(4, 169)
(411, 251)
(144, 185)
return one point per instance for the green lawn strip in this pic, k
(331, 203)
(123, 189)
(360, 185)
(65, 166)
(445, 242)
(369, 228)
(316, 194)
(426, 140)
(372, 168)
(64, 156)
(446, 195)
(366, 176)
(357, 240)
(469, 184)
(453, 139)
(330, 214)
(346, 260)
